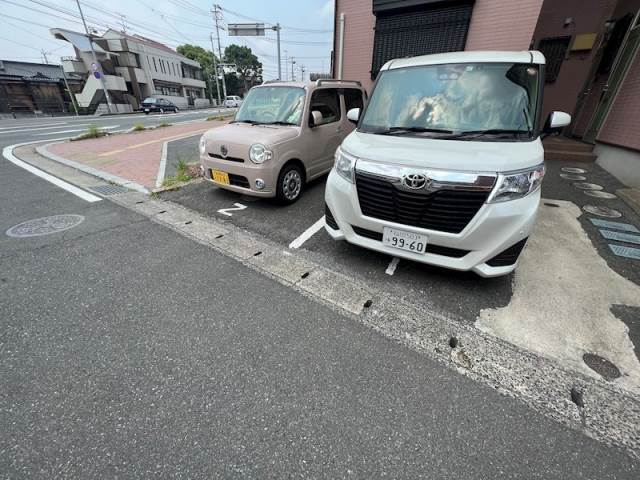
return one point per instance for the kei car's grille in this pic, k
(442, 210)
(229, 159)
(238, 180)
(431, 248)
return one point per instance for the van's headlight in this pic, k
(345, 165)
(514, 185)
(203, 145)
(258, 153)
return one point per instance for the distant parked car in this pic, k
(232, 101)
(156, 104)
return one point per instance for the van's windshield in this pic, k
(481, 101)
(272, 105)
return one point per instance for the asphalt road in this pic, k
(127, 350)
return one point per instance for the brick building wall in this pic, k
(621, 126)
(358, 40)
(503, 24)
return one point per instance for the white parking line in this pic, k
(7, 153)
(391, 269)
(307, 234)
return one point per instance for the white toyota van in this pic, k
(446, 162)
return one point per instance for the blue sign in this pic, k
(97, 74)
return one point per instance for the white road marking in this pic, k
(225, 211)
(391, 269)
(7, 152)
(307, 234)
(110, 127)
(40, 126)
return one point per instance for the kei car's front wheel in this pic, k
(290, 184)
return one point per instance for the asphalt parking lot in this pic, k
(563, 261)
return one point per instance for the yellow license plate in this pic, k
(220, 177)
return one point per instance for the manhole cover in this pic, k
(602, 211)
(574, 170)
(599, 194)
(573, 176)
(601, 365)
(588, 186)
(45, 226)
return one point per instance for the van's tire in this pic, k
(290, 184)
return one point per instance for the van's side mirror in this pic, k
(556, 121)
(316, 118)
(353, 115)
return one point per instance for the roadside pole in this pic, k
(277, 29)
(95, 61)
(216, 9)
(293, 74)
(215, 69)
(72, 95)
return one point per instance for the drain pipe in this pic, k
(341, 46)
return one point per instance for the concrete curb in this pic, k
(608, 413)
(42, 150)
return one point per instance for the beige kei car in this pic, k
(284, 135)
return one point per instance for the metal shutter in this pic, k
(419, 32)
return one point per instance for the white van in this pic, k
(446, 164)
(232, 101)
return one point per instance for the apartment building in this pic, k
(134, 68)
(591, 46)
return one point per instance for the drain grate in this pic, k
(600, 194)
(602, 211)
(107, 190)
(621, 237)
(625, 227)
(626, 252)
(588, 186)
(601, 365)
(45, 226)
(573, 176)
(574, 170)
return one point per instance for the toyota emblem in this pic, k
(223, 151)
(415, 181)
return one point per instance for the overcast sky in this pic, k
(306, 32)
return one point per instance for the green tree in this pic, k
(205, 59)
(247, 65)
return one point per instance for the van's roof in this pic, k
(312, 85)
(525, 56)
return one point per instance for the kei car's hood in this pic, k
(246, 134)
(466, 155)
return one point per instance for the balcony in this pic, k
(192, 82)
(74, 65)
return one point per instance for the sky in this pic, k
(306, 33)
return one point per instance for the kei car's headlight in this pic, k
(203, 145)
(345, 165)
(258, 153)
(514, 185)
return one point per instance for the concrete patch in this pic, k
(564, 312)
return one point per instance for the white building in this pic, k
(134, 68)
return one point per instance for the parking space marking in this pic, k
(621, 237)
(626, 227)
(238, 206)
(627, 252)
(307, 234)
(391, 269)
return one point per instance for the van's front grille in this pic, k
(442, 210)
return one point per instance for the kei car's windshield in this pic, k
(455, 100)
(281, 105)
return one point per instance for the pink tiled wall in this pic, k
(358, 40)
(621, 126)
(503, 24)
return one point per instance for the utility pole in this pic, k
(216, 9)
(71, 94)
(215, 69)
(95, 61)
(293, 74)
(302, 69)
(277, 28)
(286, 64)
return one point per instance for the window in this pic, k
(353, 99)
(422, 30)
(327, 102)
(554, 49)
(154, 64)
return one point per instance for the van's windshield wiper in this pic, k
(490, 131)
(251, 122)
(401, 130)
(280, 122)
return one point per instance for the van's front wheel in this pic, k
(290, 184)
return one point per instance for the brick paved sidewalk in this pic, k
(133, 156)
